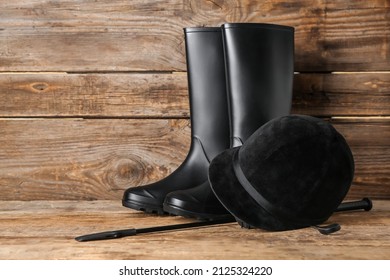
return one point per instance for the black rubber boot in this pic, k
(209, 121)
(259, 60)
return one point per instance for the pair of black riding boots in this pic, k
(240, 76)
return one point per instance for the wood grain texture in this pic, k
(342, 94)
(94, 95)
(159, 95)
(57, 159)
(85, 36)
(369, 140)
(46, 230)
(86, 159)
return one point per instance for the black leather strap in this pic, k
(264, 203)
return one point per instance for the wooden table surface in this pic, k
(46, 230)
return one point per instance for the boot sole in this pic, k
(174, 210)
(243, 224)
(177, 211)
(147, 208)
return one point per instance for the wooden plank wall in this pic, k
(93, 94)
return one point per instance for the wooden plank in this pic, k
(370, 145)
(121, 36)
(86, 159)
(166, 95)
(342, 94)
(52, 225)
(96, 95)
(61, 159)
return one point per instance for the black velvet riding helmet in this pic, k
(293, 172)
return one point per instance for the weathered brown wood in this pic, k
(370, 144)
(165, 95)
(96, 95)
(86, 159)
(58, 159)
(342, 94)
(45, 230)
(118, 35)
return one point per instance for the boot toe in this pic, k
(197, 202)
(182, 199)
(140, 198)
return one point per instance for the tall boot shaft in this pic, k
(209, 121)
(207, 89)
(259, 61)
